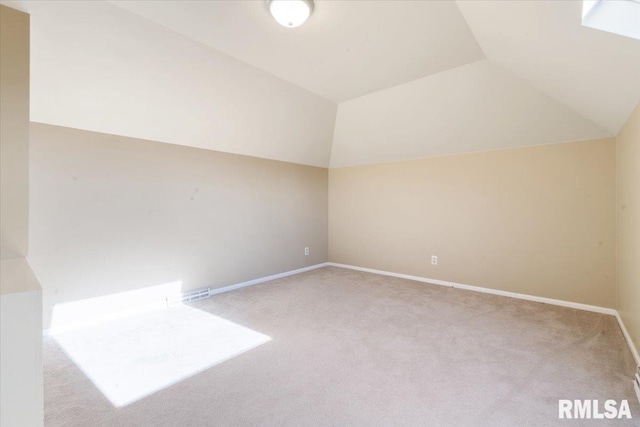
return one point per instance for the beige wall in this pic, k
(537, 220)
(14, 132)
(111, 214)
(628, 211)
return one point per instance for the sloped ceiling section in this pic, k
(475, 107)
(593, 72)
(346, 49)
(414, 78)
(98, 67)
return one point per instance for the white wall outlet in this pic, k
(306, 251)
(434, 260)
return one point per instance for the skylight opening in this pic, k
(620, 17)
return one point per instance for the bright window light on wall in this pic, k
(93, 311)
(620, 17)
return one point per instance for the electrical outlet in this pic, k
(306, 251)
(434, 260)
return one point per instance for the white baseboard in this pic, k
(266, 279)
(544, 300)
(627, 337)
(578, 306)
(215, 291)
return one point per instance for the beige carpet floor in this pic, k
(356, 349)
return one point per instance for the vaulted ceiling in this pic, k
(347, 49)
(361, 82)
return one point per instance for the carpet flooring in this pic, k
(348, 348)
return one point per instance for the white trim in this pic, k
(266, 279)
(215, 291)
(576, 305)
(630, 343)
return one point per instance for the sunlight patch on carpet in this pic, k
(131, 358)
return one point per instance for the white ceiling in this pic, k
(413, 78)
(346, 49)
(475, 107)
(591, 71)
(95, 66)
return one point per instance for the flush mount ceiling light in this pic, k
(290, 13)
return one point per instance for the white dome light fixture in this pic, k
(290, 13)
